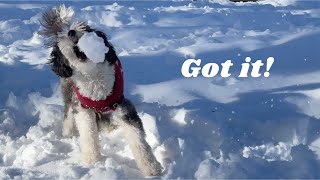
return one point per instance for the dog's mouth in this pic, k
(79, 53)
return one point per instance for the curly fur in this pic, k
(59, 64)
(54, 21)
(95, 81)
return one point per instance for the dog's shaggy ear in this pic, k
(111, 56)
(53, 21)
(59, 64)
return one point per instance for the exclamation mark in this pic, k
(270, 61)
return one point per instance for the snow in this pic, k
(203, 128)
(278, 3)
(150, 127)
(93, 47)
(179, 115)
(66, 14)
(269, 152)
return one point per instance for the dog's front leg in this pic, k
(68, 121)
(142, 151)
(127, 117)
(89, 141)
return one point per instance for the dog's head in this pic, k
(66, 56)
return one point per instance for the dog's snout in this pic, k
(71, 33)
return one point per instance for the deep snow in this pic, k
(198, 128)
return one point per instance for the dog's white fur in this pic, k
(88, 130)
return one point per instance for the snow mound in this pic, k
(93, 46)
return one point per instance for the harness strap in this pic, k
(105, 109)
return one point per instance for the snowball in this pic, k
(93, 47)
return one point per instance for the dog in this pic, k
(93, 92)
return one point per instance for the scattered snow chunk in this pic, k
(12, 100)
(181, 145)
(113, 7)
(109, 19)
(179, 116)
(269, 152)
(315, 147)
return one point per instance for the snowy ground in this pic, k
(198, 128)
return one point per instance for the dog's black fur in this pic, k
(59, 64)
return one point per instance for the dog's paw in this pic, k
(152, 169)
(90, 158)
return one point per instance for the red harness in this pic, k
(112, 101)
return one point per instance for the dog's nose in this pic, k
(71, 33)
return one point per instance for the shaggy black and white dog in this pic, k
(83, 82)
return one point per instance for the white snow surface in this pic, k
(203, 128)
(93, 47)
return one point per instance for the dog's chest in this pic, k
(96, 85)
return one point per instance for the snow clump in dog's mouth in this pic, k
(93, 47)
